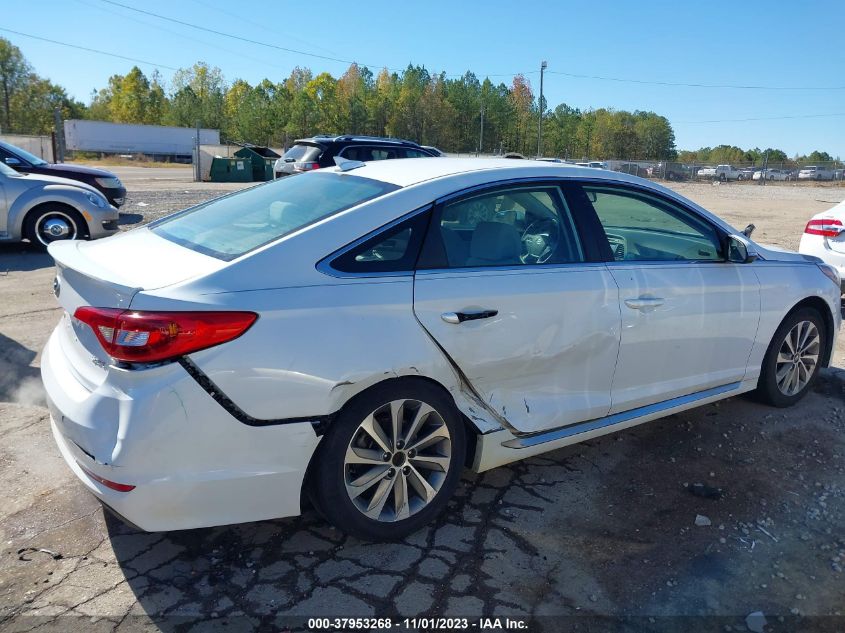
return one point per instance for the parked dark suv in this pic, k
(319, 151)
(24, 162)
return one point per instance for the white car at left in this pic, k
(360, 334)
(824, 237)
(45, 209)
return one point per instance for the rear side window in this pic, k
(393, 249)
(370, 153)
(231, 226)
(303, 153)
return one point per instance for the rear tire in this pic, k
(390, 461)
(791, 364)
(50, 223)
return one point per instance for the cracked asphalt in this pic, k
(601, 529)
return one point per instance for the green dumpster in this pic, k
(230, 170)
(262, 159)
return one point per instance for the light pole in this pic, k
(543, 66)
(481, 132)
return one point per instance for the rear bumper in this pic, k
(192, 464)
(816, 245)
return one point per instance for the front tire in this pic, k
(52, 223)
(791, 364)
(390, 461)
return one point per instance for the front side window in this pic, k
(232, 226)
(642, 227)
(506, 227)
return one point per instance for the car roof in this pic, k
(412, 171)
(352, 138)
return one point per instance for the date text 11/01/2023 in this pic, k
(446, 624)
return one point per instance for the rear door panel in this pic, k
(547, 358)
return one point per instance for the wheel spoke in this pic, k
(431, 462)
(421, 414)
(397, 408)
(374, 430)
(812, 342)
(400, 498)
(440, 433)
(788, 342)
(783, 358)
(355, 455)
(793, 380)
(422, 487)
(367, 481)
(380, 497)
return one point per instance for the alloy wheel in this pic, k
(798, 358)
(397, 460)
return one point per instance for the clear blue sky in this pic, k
(773, 43)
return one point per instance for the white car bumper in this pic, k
(192, 463)
(818, 246)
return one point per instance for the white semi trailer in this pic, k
(127, 138)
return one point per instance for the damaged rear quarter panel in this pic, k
(313, 348)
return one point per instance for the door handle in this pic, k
(474, 315)
(644, 303)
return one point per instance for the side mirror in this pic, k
(12, 161)
(740, 250)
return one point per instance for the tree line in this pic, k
(464, 114)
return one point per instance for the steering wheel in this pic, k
(538, 245)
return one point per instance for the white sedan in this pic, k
(824, 237)
(361, 334)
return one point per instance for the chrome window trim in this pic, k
(324, 265)
(512, 268)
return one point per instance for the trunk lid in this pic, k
(108, 273)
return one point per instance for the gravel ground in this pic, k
(601, 529)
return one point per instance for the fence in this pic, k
(41, 146)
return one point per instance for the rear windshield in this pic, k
(231, 226)
(303, 153)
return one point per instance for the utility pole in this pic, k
(197, 168)
(543, 66)
(60, 135)
(481, 133)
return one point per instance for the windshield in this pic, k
(232, 226)
(22, 153)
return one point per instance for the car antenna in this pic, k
(346, 165)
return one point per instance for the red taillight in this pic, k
(106, 482)
(146, 337)
(306, 166)
(828, 228)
